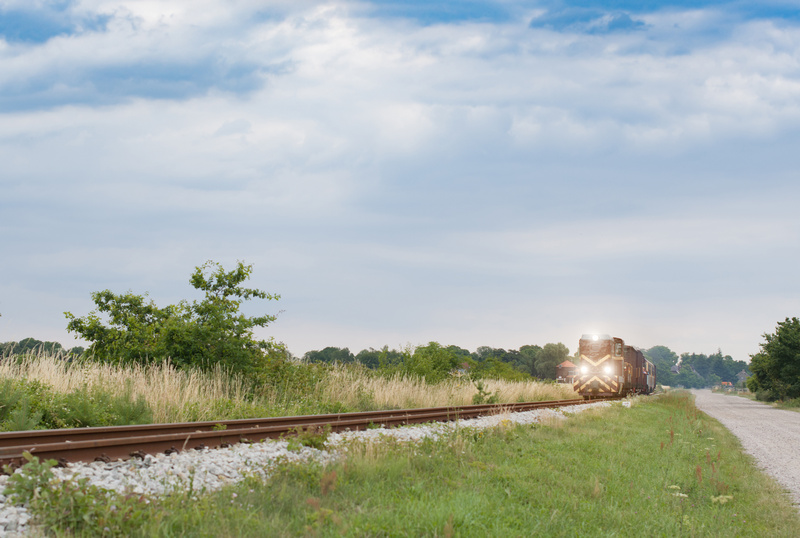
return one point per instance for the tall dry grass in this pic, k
(173, 395)
(189, 395)
(352, 385)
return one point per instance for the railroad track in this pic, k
(121, 442)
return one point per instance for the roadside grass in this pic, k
(658, 468)
(46, 391)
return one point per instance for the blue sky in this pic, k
(475, 173)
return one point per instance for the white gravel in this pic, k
(208, 470)
(770, 435)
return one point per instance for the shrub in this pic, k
(203, 333)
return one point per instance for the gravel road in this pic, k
(771, 436)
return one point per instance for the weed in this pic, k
(74, 506)
(23, 418)
(312, 436)
(483, 396)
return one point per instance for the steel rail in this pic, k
(87, 444)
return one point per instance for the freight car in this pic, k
(608, 368)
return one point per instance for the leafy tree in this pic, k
(433, 362)
(32, 345)
(201, 333)
(551, 356)
(664, 359)
(689, 379)
(494, 368)
(390, 359)
(528, 356)
(776, 368)
(485, 353)
(371, 358)
(330, 355)
(460, 352)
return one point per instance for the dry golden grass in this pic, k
(350, 385)
(171, 393)
(189, 395)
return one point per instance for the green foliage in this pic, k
(26, 485)
(548, 358)
(28, 405)
(432, 362)
(494, 368)
(528, 356)
(776, 368)
(330, 355)
(75, 507)
(568, 478)
(483, 396)
(312, 436)
(696, 370)
(281, 375)
(371, 358)
(32, 346)
(95, 406)
(664, 359)
(201, 333)
(23, 418)
(24, 404)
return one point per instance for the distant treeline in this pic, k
(32, 345)
(434, 360)
(695, 370)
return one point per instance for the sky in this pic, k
(476, 173)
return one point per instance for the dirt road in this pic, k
(771, 436)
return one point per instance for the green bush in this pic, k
(201, 334)
(765, 395)
(28, 405)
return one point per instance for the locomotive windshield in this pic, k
(594, 349)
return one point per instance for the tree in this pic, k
(330, 355)
(32, 345)
(371, 358)
(432, 362)
(551, 356)
(201, 333)
(776, 368)
(664, 359)
(529, 354)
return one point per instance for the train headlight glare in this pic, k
(608, 369)
(584, 369)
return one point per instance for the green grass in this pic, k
(659, 468)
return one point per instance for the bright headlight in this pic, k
(584, 369)
(608, 369)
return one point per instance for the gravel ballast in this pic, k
(210, 469)
(770, 435)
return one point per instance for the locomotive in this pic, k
(608, 368)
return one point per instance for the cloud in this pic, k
(410, 178)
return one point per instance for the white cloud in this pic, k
(466, 180)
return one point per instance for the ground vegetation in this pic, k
(678, 473)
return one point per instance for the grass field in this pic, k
(658, 468)
(45, 391)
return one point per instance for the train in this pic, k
(608, 368)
